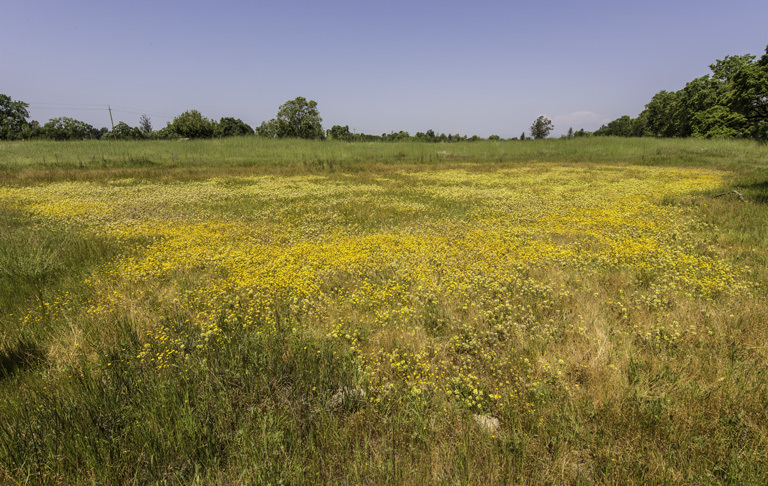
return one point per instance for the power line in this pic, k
(86, 107)
(65, 104)
(141, 111)
(160, 115)
(38, 107)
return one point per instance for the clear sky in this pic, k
(481, 67)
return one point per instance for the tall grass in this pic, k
(69, 159)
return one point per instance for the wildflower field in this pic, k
(416, 315)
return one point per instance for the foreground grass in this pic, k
(300, 323)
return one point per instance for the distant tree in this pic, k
(704, 102)
(620, 127)
(123, 131)
(428, 136)
(400, 136)
(145, 125)
(13, 118)
(726, 69)
(541, 127)
(522, 136)
(494, 137)
(32, 130)
(719, 122)
(165, 133)
(337, 132)
(191, 124)
(749, 97)
(232, 127)
(660, 113)
(697, 96)
(570, 132)
(299, 118)
(267, 129)
(65, 128)
(640, 125)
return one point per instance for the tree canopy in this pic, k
(541, 127)
(145, 125)
(299, 118)
(337, 132)
(192, 124)
(232, 127)
(65, 128)
(123, 131)
(13, 118)
(731, 102)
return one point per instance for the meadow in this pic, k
(250, 311)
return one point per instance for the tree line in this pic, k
(298, 118)
(732, 102)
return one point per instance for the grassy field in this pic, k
(249, 311)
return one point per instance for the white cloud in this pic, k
(588, 120)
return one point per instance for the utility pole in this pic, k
(112, 122)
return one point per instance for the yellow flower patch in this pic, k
(439, 281)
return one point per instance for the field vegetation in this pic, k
(261, 311)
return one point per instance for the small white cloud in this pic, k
(588, 120)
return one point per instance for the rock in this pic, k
(346, 396)
(488, 423)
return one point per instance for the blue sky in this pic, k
(481, 67)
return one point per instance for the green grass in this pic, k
(20, 161)
(281, 402)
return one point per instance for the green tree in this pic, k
(724, 70)
(267, 129)
(65, 128)
(749, 97)
(299, 118)
(541, 127)
(32, 130)
(401, 136)
(192, 124)
(719, 122)
(697, 96)
(729, 103)
(232, 127)
(145, 125)
(620, 127)
(640, 125)
(13, 118)
(337, 132)
(123, 131)
(660, 114)
(165, 133)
